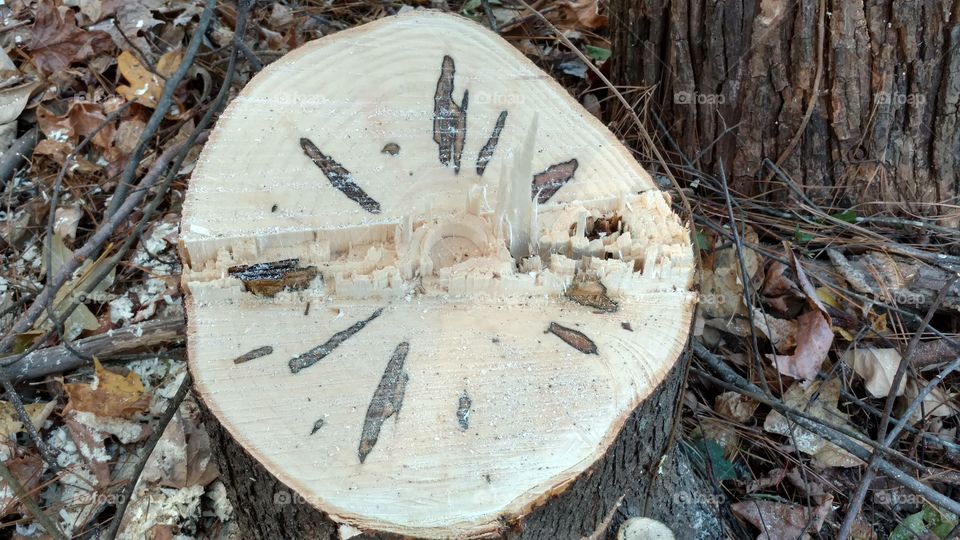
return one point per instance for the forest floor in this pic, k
(821, 397)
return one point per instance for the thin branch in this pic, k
(27, 501)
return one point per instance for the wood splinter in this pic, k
(591, 292)
(386, 400)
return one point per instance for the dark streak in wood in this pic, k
(386, 401)
(449, 119)
(463, 411)
(486, 153)
(626, 326)
(391, 148)
(573, 338)
(589, 291)
(316, 426)
(259, 352)
(317, 353)
(306, 310)
(339, 177)
(269, 278)
(547, 183)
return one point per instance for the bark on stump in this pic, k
(857, 101)
(431, 296)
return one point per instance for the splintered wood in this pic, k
(373, 321)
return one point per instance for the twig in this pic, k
(160, 112)
(491, 18)
(853, 508)
(730, 378)
(151, 443)
(53, 360)
(27, 501)
(14, 156)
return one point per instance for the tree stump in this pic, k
(429, 295)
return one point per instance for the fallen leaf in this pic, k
(9, 421)
(937, 402)
(586, 14)
(91, 445)
(814, 337)
(66, 219)
(14, 99)
(27, 470)
(823, 407)
(74, 121)
(144, 87)
(877, 367)
(110, 394)
(722, 294)
(183, 457)
(783, 521)
(735, 406)
(56, 41)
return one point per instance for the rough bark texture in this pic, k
(735, 80)
(266, 508)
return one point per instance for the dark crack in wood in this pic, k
(386, 401)
(573, 338)
(259, 352)
(449, 118)
(269, 278)
(589, 291)
(463, 411)
(318, 353)
(486, 153)
(316, 426)
(546, 184)
(626, 326)
(339, 177)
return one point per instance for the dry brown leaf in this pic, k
(937, 402)
(144, 87)
(783, 521)
(824, 407)
(183, 457)
(877, 367)
(56, 41)
(722, 294)
(14, 99)
(735, 406)
(814, 337)
(27, 470)
(91, 447)
(80, 119)
(110, 394)
(586, 14)
(10, 422)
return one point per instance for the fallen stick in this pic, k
(59, 359)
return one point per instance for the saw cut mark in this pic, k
(449, 118)
(386, 401)
(339, 177)
(463, 411)
(253, 355)
(589, 291)
(573, 338)
(318, 353)
(269, 278)
(547, 183)
(316, 426)
(486, 153)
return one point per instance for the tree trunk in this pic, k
(429, 295)
(618, 486)
(857, 102)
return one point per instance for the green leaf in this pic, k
(721, 468)
(469, 7)
(910, 528)
(598, 53)
(702, 240)
(849, 216)
(801, 237)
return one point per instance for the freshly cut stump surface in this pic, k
(426, 289)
